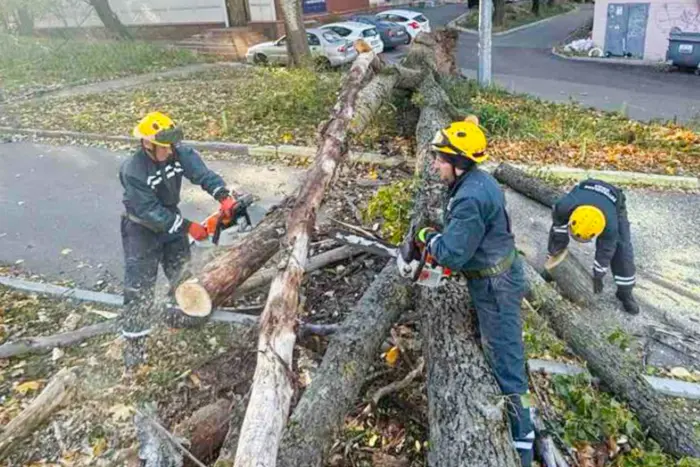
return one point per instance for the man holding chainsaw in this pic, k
(596, 209)
(153, 229)
(477, 242)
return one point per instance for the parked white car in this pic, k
(355, 31)
(413, 21)
(326, 46)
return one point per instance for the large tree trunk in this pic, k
(619, 371)
(238, 12)
(536, 7)
(499, 13)
(297, 44)
(528, 185)
(272, 384)
(467, 423)
(25, 21)
(110, 19)
(338, 381)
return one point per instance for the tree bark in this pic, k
(528, 185)
(297, 44)
(499, 13)
(25, 21)
(219, 279)
(57, 394)
(238, 13)
(110, 19)
(467, 422)
(536, 7)
(573, 279)
(619, 371)
(272, 384)
(346, 363)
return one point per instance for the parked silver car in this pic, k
(326, 46)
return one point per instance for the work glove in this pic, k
(597, 282)
(227, 205)
(197, 231)
(425, 235)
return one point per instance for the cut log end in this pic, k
(555, 261)
(193, 299)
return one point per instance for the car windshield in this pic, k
(421, 18)
(369, 32)
(332, 37)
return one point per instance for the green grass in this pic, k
(519, 14)
(31, 63)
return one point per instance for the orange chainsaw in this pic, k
(218, 222)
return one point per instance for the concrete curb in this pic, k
(300, 152)
(453, 25)
(609, 61)
(615, 177)
(666, 386)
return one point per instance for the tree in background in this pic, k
(499, 12)
(238, 12)
(18, 15)
(110, 19)
(536, 7)
(297, 44)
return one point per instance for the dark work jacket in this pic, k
(609, 199)
(476, 232)
(152, 189)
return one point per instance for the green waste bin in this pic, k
(684, 49)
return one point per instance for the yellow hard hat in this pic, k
(159, 129)
(586, 222)
(461, 142)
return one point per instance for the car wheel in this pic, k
(322, 63)
(260, 59)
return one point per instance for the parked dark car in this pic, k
(392, 34)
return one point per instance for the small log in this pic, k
(338, 381)
(528, 185)
(574, 280)
(272, 384)
(206, 429)
(57, 394)
(65, 339)
(220, 278)
(618, 370)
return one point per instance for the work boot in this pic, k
(134, 352)
(628, 302)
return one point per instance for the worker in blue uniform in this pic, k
(477, 242)
(153, 229)
(594, 209)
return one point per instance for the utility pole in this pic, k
(485, 22)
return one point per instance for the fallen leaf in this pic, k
(392, 355)
(99, 447)
(56, 354)
(121, 412)
(25, 387)
(195, 380)
(680, 372)
(372, 440)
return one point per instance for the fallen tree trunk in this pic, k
(272, 383)
(55, 395)
(618, 370)
(337, 383)
(574, 280)
(467, 422)
(528, 185)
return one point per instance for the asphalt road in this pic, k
(55, 199)
(523, 62)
